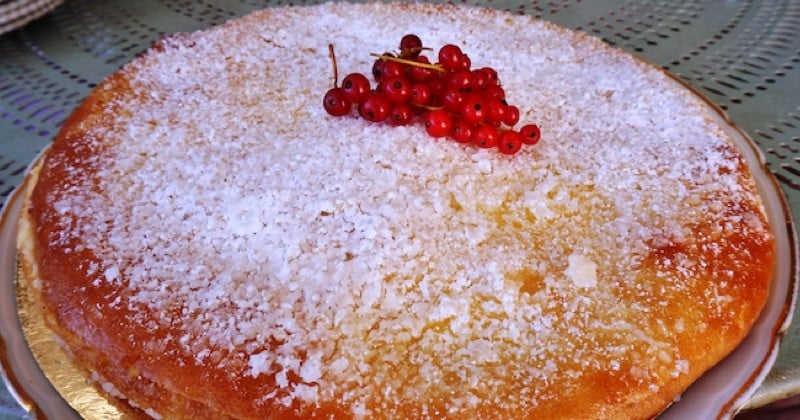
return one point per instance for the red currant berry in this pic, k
(420, 94)
(336, 103)
(530, 133)
(465, 63)
(392, 69)
(512, 116)
(450, 57)
(510, 142)
(459, 79)
(421, 74)
(462, 131)
(485, 136)
(473, 109)
(384, 69)
(397, 89)
(494, 92)
(438, 123)
(479, 80)
(374, 108)
(497, 111)
(452, 100)
(410, 46)
(438, 88)
(355, 87)
(491, 76)
(401, 114)
(377, 69)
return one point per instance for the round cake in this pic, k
(208, 242)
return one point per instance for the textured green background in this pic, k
(744, 55)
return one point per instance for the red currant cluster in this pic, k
(451, 98)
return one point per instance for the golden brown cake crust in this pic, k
(557, 300)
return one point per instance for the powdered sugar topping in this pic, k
(347, 259)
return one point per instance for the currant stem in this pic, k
(335, 69)
(409, 62)
(415, 50)
(428, 107)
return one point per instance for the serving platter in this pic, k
(45, 381)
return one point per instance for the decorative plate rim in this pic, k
(782, 222)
